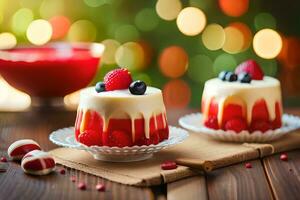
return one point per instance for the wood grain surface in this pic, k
(284, 176)
(14, 184)
(189, 188)
(268, 179)
(239, 182)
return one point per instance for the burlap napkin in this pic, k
(198, 152)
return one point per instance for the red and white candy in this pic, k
(19, 148)
(38, 162)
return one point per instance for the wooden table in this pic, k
(269, 178)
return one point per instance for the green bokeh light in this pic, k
(200, 68)
(126, 33)
(264, 20)
(269, 67)
(50, 8)
(146, 19)
(95, 3)
(203, 4)
(224, 62)
(21, 20)
(143, 77)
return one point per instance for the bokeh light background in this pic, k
(175, 45)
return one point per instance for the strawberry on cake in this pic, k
(121, 112)
(242, 100)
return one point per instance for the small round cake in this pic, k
(244, 100)
(121, 117)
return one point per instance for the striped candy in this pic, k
(37, 162)
(19, 148)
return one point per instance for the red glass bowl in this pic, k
(53, 70)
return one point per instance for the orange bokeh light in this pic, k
(234, 8)
(177, 94)
(289, 55)
(60, 26)
(148, 52)
(245, 30)
(173, 61)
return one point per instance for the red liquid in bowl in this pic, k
(53, 71)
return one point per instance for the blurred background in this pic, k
(175, 45)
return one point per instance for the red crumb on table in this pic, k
(81, 186)
(100, 187)
(73, 178)
(3, 159)
(248, 165)
(62, 171)
(168, 165)
(284, 157)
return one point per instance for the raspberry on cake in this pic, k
(133, 115)
(250, 102)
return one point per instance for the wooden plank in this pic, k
(189, 188)
(238, 182)
(15, 184)
(284, 176)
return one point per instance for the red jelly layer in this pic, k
(119, 131)
(260, 116)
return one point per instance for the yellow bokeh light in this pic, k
(72, 100)
(130, 55)
(7, 41)
(213, 37)
(12, 99)
(191, 21)
(82, 31)
(234, 40)
(39, 32)
(168, 9)
(111, 47)
(267, 43)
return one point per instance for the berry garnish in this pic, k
(248, 165)
(100, 187)
(236, 124)
(81, 186)
(222, 75)
(251, 67)
(260, 125)
(168, 165)
(138, 87)
(90, 138)
(62, 171)
(117, 79)
(244, 78)
(3, 159)
(119, 139)
(284, 157)
(73, 178)
(212, 122)
(231, 77)
(100, 87)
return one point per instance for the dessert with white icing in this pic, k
(126, 115)
(244, 100)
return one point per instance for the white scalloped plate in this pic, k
(65, 137)
(193, 122)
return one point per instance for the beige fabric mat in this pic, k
(198, 152)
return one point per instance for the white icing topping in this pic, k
(242, 94)
(121, 104)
